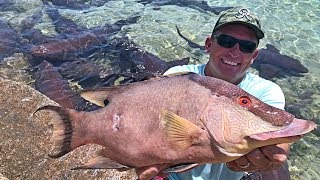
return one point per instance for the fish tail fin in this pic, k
(63, 130)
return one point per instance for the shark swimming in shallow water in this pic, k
(198, 5)
(271, 63)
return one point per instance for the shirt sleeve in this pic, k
(273, 96)
(265, 90)
(177, 69)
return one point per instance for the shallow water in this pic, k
(292, 26)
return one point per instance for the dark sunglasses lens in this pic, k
(247, 46)
(229, 41)
(226, 41)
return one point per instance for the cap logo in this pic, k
(244, 13)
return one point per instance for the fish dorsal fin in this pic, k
(101, 162)
(98, 96)
(180, 168)
(180, 131)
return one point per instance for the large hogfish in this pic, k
(187, 119)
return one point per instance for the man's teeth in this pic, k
(230, 62)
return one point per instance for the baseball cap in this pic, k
(239, 15)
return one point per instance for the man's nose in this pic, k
(235, 51)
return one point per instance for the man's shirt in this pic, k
(262, 89)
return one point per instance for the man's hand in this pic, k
(263, 159)
(148, 172)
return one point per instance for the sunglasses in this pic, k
(229, 41)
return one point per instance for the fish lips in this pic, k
(295, 128)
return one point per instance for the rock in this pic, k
(26, 140)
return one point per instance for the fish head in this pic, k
(237, 131)
(239, 122)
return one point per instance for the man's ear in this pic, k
(208, 44)
(254, 55)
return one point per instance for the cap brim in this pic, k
(259, 33)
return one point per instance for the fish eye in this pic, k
(244, 101)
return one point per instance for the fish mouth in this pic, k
(296, 128)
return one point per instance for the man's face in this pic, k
(230, 64)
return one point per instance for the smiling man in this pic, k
(233, 48)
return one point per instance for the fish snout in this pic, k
(275, 116)
(297, 127)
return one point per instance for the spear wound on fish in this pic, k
(116, 122)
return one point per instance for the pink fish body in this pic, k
(184, 119)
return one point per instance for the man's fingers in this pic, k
(254, 160)
(235, 167)
(148, 172)
(242, 162)
(258, 158)
(274, 153)
(265, 158)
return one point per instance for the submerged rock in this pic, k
(26, 140)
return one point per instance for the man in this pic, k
(233, 48)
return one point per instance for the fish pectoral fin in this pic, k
(98, 96)
(180, 168)
(180, 131)
(101, 162)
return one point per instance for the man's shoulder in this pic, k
(263, 89)
(197, 68)
(255, 80)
